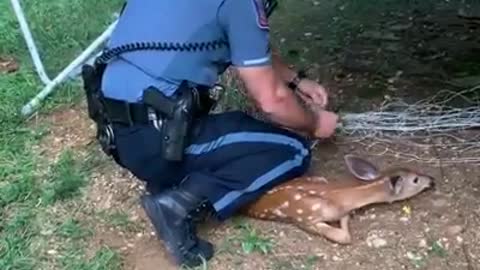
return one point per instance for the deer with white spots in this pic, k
(310, 203)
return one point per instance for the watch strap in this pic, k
(293, 84)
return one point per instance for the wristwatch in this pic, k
(293, 84)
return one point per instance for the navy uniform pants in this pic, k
(232, 159)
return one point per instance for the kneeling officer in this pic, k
(149, 95)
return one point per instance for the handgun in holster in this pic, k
(92, 77)
(178, 113)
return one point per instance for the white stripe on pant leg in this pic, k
(261, 181)
(245, 137)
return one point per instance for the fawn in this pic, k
(310, 202)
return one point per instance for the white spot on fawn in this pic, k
(271, 191)
(285, 204)
(299, 211)
(279, 213)
(316, 206)
(297, 197)
(312, 192)
(310, 218)
(299, 219)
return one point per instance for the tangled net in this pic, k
(429, 116)
(427, 131)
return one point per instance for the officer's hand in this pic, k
(312, 92)
(326, 123)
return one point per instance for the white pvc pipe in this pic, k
(30, 107)
(30, 43)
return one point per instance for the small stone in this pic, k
(130, 245)
(413, 257)
(282, 234)
(459, 239)
(373, 216)
(307, 34)
(322, 255)
(404, 219)
(336, 258)
(376, 241)
(139, 235)
(410, 255)
(423, 243)
(454, 230)
(52, 252)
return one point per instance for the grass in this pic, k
(251, 240)
(32, 187)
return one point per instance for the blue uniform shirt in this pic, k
(240, 23)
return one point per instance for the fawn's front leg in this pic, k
(311, 214)
(339, 235)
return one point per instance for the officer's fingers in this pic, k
(307, 99)
(322, 96)
(318, 100)
(321, 100)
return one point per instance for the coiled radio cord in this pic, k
(108, 54)
(111, 53)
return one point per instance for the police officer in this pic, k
(230, 158)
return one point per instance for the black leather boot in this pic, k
(172, 213)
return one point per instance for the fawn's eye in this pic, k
(415, 180)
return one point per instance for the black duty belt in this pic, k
(126, 113)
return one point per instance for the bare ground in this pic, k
(436, 230)
(442, 227)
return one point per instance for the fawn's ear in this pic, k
(360, 168)
(396, 184)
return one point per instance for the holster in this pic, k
(177, 116)
(172, 116)
(92, 77)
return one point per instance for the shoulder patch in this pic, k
(262, 19)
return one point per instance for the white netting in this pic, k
(430, 116)
(428, 131)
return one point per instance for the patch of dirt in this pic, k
(67, 128)
(449, 215)
(8, 64)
